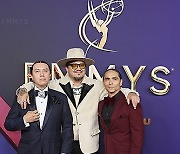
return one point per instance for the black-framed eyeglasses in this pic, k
(75, 66)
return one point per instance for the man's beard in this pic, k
(78, 78)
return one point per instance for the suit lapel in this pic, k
(50, 104)
(101, 118)
(86, 88)
(118, 105)
(33, 106)
(68, 90)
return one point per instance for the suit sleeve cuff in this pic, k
(26, 123)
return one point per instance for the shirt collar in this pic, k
(36, 88)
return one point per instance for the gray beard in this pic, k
(78, 78)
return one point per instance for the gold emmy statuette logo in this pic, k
(111, 9)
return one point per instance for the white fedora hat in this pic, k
(75, 54)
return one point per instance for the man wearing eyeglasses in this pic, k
(83, 95)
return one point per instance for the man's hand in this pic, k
(23, 97)
(31, 116)
(133, 98)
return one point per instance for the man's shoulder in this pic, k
(89, 80)
(56, 93)
(31, 92)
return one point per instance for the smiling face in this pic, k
(41, 75)
(76, 71)
(112, 82)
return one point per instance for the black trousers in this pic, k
(76, 148)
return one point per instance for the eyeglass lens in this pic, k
(75, 66)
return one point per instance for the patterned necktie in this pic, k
(41, 94)
(77, 91)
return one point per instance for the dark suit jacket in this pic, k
(56, 135)
(125, 133)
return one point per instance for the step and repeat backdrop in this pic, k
(140, 38)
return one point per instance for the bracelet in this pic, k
(21, 91)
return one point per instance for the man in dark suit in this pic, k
(46, 123)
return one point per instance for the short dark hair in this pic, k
(115, 70)
(40, 61)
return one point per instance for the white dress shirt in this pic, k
(41, 104)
